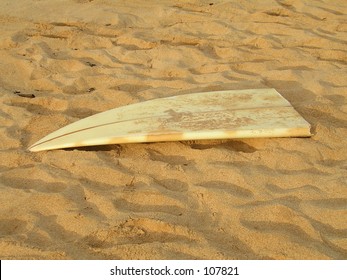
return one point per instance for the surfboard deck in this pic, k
(208, 115)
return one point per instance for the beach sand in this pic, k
(63, 60)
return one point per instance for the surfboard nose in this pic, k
(208, 115)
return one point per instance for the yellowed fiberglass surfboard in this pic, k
(207, 115)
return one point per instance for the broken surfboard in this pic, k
(251, 113)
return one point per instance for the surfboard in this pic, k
(207, 115)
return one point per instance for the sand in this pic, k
(63, 60)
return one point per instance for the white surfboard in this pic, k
(207, 115)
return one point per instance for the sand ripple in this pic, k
(244, 199)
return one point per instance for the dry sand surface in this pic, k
(244, 199)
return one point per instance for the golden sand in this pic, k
(63, 60)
